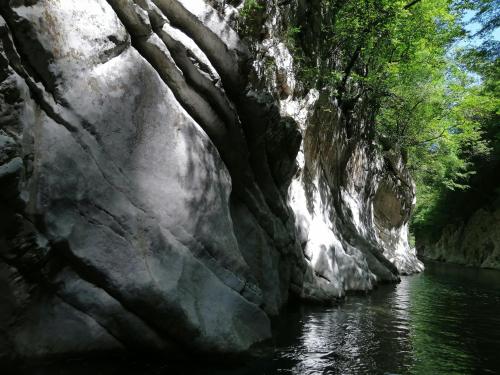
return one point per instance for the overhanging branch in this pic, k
(428, 140)
(410, 4)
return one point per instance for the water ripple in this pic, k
(446, 320)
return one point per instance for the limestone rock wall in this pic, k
(352, 200)
(159, 192)
(475, 242)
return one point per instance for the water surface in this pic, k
(444, 321)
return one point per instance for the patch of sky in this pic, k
(472, 39)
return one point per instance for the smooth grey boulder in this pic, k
(128, 191)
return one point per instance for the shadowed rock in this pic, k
(157, 194)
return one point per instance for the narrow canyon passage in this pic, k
(249, 186)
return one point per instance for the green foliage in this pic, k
(250, 7)
(251, 16)
(464, 178)
(361, 40)
(290, 37)
(486, 13)
(436, 104)
(479, 112)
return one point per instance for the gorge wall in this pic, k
(165, 186)
(473, 242)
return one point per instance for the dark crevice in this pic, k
(212, 94)
(322, 276)
(42, 75)
(93, 276)
(120, 47)
(226, 62)
(106, 329)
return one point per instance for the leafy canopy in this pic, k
(434, 98)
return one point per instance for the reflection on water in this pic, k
(444, 321)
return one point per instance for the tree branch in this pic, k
(428, 140)
(411, 3)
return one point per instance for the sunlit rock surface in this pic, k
(159, 192)
(352, 201)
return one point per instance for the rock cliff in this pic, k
(474, 242)
(165, 188)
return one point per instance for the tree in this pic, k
(429, 100)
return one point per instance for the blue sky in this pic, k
(474, 27)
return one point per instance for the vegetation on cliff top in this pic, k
(434, 94)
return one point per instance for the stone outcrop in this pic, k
(475, 242)
(159, 192)
(352, 202)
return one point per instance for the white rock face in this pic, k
(351, 214)
(154, 197)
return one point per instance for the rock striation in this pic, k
(160, 191)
